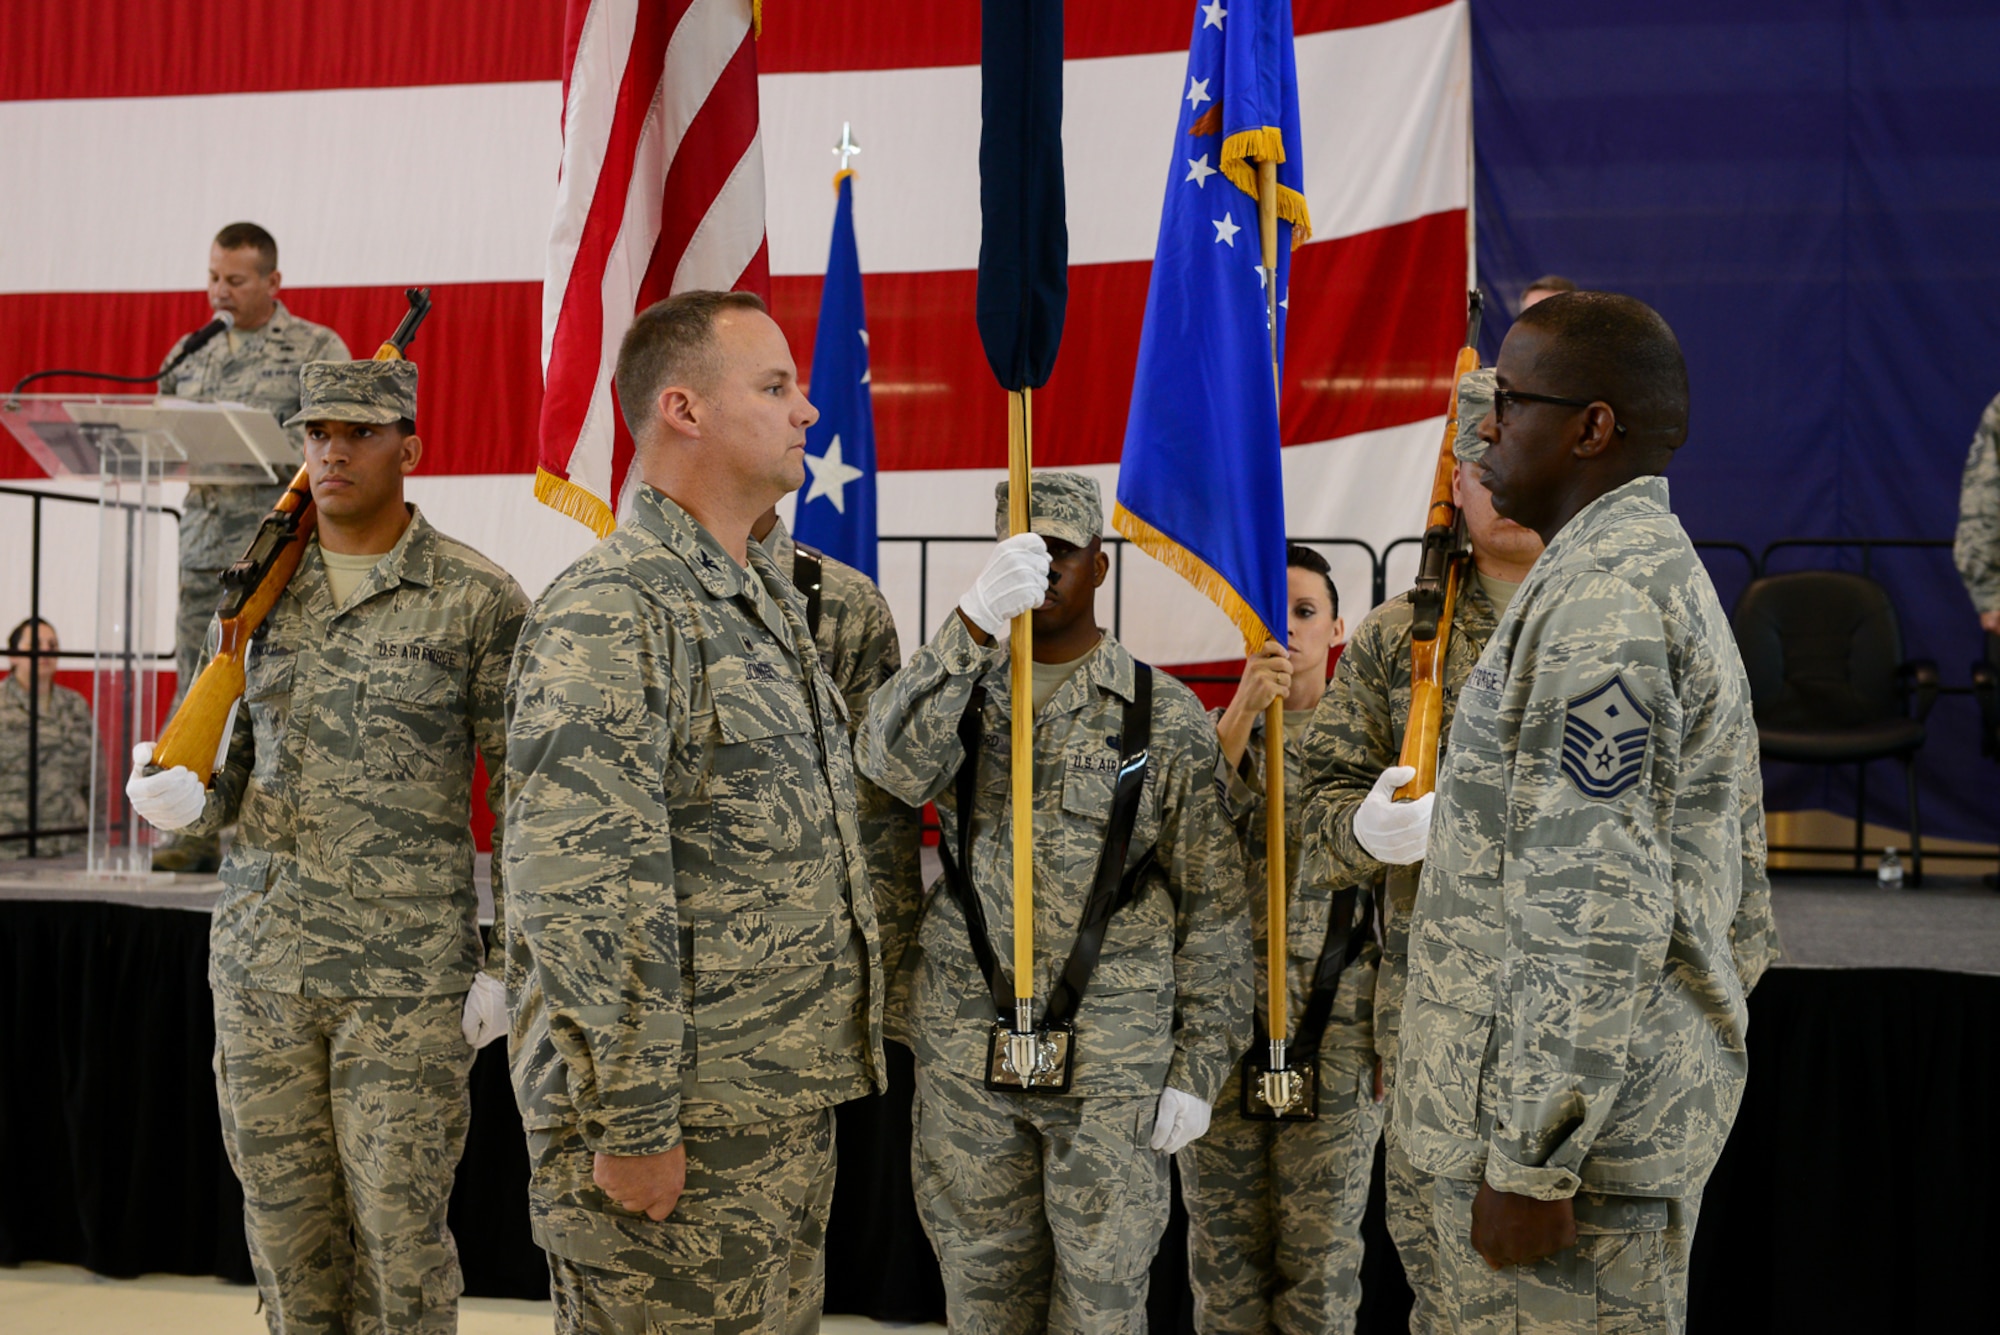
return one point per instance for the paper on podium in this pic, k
(93, 435)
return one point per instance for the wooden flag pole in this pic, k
(1274, 716)
(1020, 453)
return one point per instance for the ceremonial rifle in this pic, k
(1439, 574)
(199, 731)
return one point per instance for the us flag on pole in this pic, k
(661, 191)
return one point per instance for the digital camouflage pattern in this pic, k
(1582, 947)
(344, 1119)
(1062, 505)
(1627, 1272)
(691, 939)
(1976, 548)
(1357, 733)
(1274, 1209)
(743, 1252)
(349, 774)
(1475, 400)
(1034, 1197)
(858, 646)
(62, 795)
(1169, 1003)
(370, 392)
(1071, 1257)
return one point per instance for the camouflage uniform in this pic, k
(1976, 548)
(1591, 918)
(1274, 1208)
(858, 645)
(1045, 1210)
(347, 933)
(62, 796)
(219, 520)
(692, 953)
(1358, 733)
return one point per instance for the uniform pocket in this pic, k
(1446, 1033)
(767, 993)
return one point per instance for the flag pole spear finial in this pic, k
(845, 149)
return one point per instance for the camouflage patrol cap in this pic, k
(370, 391)
(1061, 505)
(1475, 400)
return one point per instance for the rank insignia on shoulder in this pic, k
(1604, 740)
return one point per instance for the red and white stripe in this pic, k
(661, 190)
(403, 141)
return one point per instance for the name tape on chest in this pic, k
(1604, 740)
(451, 660)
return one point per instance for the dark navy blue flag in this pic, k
(1200, 484)
(836, 508)
(1023, 223)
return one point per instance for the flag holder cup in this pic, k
(1277, 1091)
(1029, 1058)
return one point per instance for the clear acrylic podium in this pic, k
(131, 444)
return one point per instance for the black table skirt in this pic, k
(1856, 1192)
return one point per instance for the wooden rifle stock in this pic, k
(1436, 593)
(199, 730)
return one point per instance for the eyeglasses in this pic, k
(1503, 397)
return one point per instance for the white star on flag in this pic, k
(1226, 229)
(1199, 171)
(830, 475)
(867, 371)
(1197, 93)
(1213, 14)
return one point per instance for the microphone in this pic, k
(199, 339)
(202, 337)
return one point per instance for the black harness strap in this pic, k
(809, 574)
(1111, 889)
(1345, 940)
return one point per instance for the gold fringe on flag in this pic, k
(756, 18)
(1240, 154)
(1195, 571)
(559, 493)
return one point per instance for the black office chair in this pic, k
(1829, 684)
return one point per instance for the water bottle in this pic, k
(1890, 873)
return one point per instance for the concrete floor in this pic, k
(64, 1300)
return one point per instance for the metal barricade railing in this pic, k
(34, 653)
(1114, 544)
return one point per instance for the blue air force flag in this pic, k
(1604, 740)
(1200, 486)
(836, 507)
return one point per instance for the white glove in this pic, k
(168, 800)
(1015, 580)
(485, 1017)
(1394, 832)
(1182, 1120)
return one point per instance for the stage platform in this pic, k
(1825, 922)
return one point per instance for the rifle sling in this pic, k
(1111, 889)
(809, 574)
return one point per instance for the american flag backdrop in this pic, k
(395, 142)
